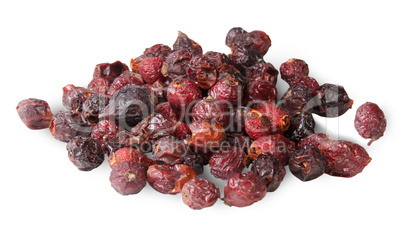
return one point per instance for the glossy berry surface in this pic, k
(268, 168)
(228, 90)
(200, 193)
(74, 97)
(370, 121)
(98, 85)
(228, 161)
(314, 140)
(129, 154)
(210, 108)
(242, 190)
(104, 131)
(206, 133)
(258, 91)
(169, 179)
(301, 125)
(128, 178)
(151, 70)
(307, 163)
(292, 68)
(125, 79)
(66, 125)
(182, 94)
(35, 113)
(109, 71)
(262, 71)
(85, 153)
(295, 99)
(94, 106)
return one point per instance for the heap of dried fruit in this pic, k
(175, 109)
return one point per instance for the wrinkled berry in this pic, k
(94, 106)
(109, 71)
(313, 140)
(35, 113)
(178, 62)
(184, 42)
(66, 125)
(85, 153)
(166, 111)
(258, 91)
(344, 158)
(169, 179)
(301, 125)
(170, 150)
(128, 178)
(182, 94)
(74, 97)
(200, 193)
(295, 99)
(307, 163)
(227, 162)
(98, 85)
(210, 108)
(244, 189)
(292, 68)
(158, 50)
(228, 90)
(182, 131)
(206, 133)
(153, 127)
(262, 71)
(310, 83)
(151, 69)
(370, 122)
(104, 131)
(125, 79)
(129, 154)
(269, 169)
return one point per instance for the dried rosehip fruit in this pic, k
(166, 111)
(128, 178)
(151, 69)
(292, 68)
(74, 97)
(109, 71)
(85, 153)
(229, 71)
(258, 91)
(330, 101)
(126, 139)
(257, 124)
(227, 162)
(200, 193)
(260, 41)
(178, 62)
(310, 83)
(184, 42)
(158, 50)
(313, 140)
(66, 125)
(104, 131)
(344, 158)
(210, 108)
(236, 34)
(268, 168)
(125, 79)
(35, 113)
(206, 133)
(228, 90)
(94, 106)
(182, 93)
(129, 106)
(169, 179)
(239, 117)
(182, 131)
(243, 56)
(276, 145)
(301, 125)
(238, 140)
(169, 150)
(244, 189)
(307, 163)
(370, 122)
(153, 127)
(262, 71)
(129, 154)
(295, 99)
(98, 85)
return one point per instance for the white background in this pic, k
(46, 45)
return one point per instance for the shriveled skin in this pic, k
(370, 122)
(184, 42)
(228, 90)
(125, 79)
(262, 71)
(206, 133)
(109, 71)
(307, 163)
(35, 113)
(344, 158)
(292, 68)
(129, 154)
(74, 97)
(227, 162)
(242, 190)
(128, 178)
(313, 140)
(151, 69)
(169, 179)
(310, 83)
(200, 193)
(260, 90)
(85, 153)
(268, 168)
(104, 131)
(209, 108)
(98, 85)
(182, 94)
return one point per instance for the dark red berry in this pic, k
(344, 158)
(109, 71)
(158, 50)
(295, 99)
(129, 154)
(243, 56)
(292, 68)
(35, 113)
(74, 97)
(182, 94)
(206, 133)
(244, 189)
(98, 85)
(166, 111)
(153, 127)
(229, 71)
(66, 125)
(184, 42)
(104, 131)
(307, 163)
(227, 162)
(182, 131)
(178, 62)
(269, 169)
(94, 106)
(276, 145)
(200, 193)
(301, 125)
(313, 140)
(370, 122)
(210, 108)
(260, 41)
(228, 90)
(128, 178)
(169, 150)
(125, 79)
(169, 179)
(262, 71)
(151, 69)
(235, 34)
(310, 83)
(258, 91)
(85, 153)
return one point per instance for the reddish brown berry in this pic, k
(128, 178)
(268, 168)
(182, 131)
(104, 131)
(85, 153)
(262, 71)
(307, 163)
(35, 113)
(182, 94)
(94, 106)
(295, 99)
(313, 140)
(258, 91)
(210, 108)
(310, 83)
(151, 70)
(184, 42)
(66, 125)
(109, 71)
(169, 179)
(158, 50)
(244, 189)
(292, 68)
(125, 79)
(206, 133)
(228, 161)
(129, 154)
(166, 111)
(98, 85)
(344, 158)
(200, 193)
(370, 122)
(74, 97)
(228, 90)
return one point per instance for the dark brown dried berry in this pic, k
(313, 140)
(35, 113)
(184, 42)
(98, 85)
(235, 34)
(129, 154)
(178, 62)
(229, 71)
(301, 125)
(344, 158)
(169, 150)
(85, 153)
(158, 50)
(153, 127)
(182, 131)
(125, 79)
(200, 193)
(262, 71)
(259, 40)
(258, 91)
(128, 178)
(370, 122)
(295, 99)
(307, 163)
(166, 111)
(182, 94)
(74, 97)
(104, 131)
(310, 83)
(244, 189)
(66, 125)
(109, 71)
(330, 101)
(210, 108)
(126, 139)
(269, 169)
(292, 68)
(169, 179)
(94, 106)
(228, 161)
(243, 56)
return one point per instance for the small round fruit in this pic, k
(35, 113)
(169, 179)
(129, 154)
(151, 69)
(292, 68)
(370, 122)
(313, 140)
(210, 108)
(228, 161)
(182, 94)
(200, 193)
(85, 153)
(128, 178)
(307, 163)
(268, 168)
